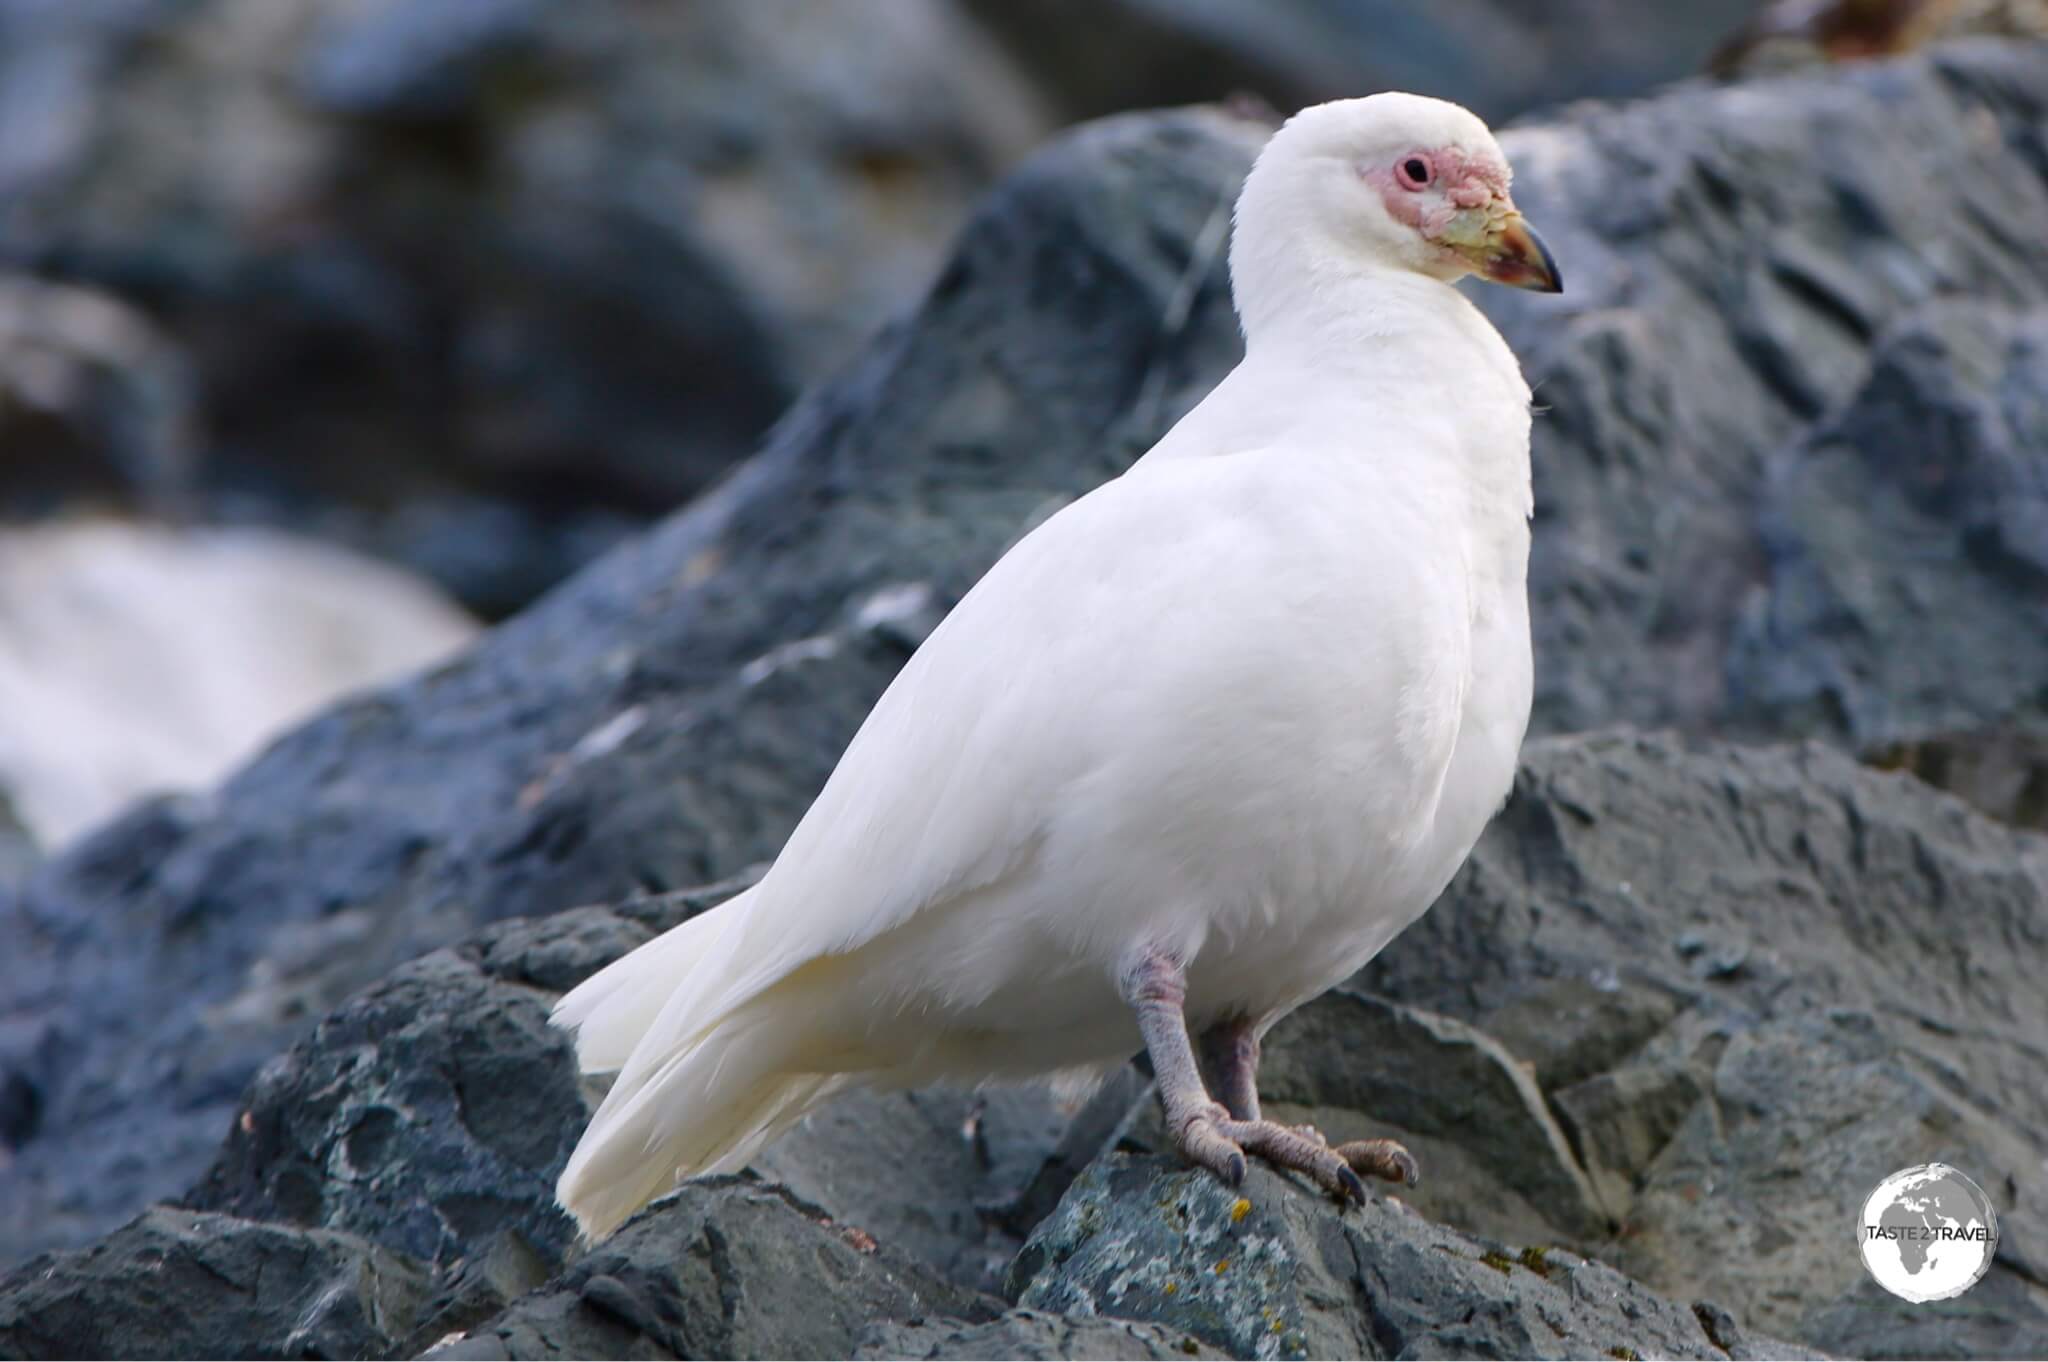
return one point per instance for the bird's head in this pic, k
(1391, 180)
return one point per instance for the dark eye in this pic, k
(1414, 173)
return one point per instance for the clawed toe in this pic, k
(1219, 1144)
(1385, 1159)
(1301, 1149)
(1203, 1143)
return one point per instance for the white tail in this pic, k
(612, 1009)
(738, 1073)
(708, 1110)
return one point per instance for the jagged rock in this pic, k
(1033, 1334)
(430, 1114)
(433, 1112)
(665, 718)
(922, 1171)
(1432, 1075)
(1755, 982)
(175, 1283)
(1945, 555)
(1733, 259)
(726, 1268)
(1281, 1271)
(1846, 965)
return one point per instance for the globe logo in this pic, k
(1927, 1233)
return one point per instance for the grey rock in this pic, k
(1108, 1116)
(1281, 1271)
(177, 1283)
(1887, 945)
(1731, 266)
(432, 1112)
(922, 1171)
(1034, 1334)
(725, 1268)
(429, 1114)
(1946, 555)
(1432, 1075)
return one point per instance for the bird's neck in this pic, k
(1347, 314)
(1397, 358)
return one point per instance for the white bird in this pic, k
(1190, 753)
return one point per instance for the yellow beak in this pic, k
(1509, 252)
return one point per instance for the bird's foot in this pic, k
(1217, 1141)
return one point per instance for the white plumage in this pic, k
(1243, 710)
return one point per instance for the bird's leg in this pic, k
(1230, 1052)
(1205, 1131)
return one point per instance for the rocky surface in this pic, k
(726, 1269)
(1940, 447)
(1033, 1334)
(1750, 984)
(1685, 1008)
(173, 1283)
(1272, 1271)
(664, 719)
(1745, 288)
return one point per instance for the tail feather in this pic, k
(720, 1076)
(612, 1009)
(708, 1110)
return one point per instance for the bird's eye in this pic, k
(1415, 172)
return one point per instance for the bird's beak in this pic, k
(1504, 248)
(1507, 250)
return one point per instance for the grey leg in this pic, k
(1230, 1055)
(1230, 1051)
(1205, 1131)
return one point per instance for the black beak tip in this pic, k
(1553, 277)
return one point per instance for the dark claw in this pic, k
(1354, 1188)
(1411, 1171)
(1237, 1170)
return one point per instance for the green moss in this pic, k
(1537, 1260)
(1498, 1261)
(1623, 1354)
